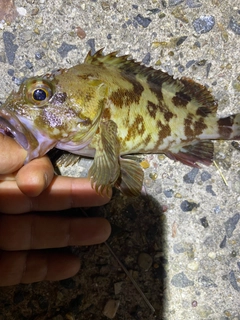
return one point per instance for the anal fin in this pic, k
(201, 151)
(130, 180)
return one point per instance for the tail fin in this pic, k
(229, 127)
(202, 151)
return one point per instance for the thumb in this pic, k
(12, 155)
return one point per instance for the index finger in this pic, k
(12, 155)
(62, 193)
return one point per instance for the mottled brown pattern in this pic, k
(155, 80)
(225, 127)
(199, 126)
(136, 129)
(203, 111)
(152, 109)
(199, 93)
(165, 111)
(189, 133)
(147, 139)
(157, 77)
(181, 99)
(127, 97)
(164, 132)
(156, 90)
(168, 115)
(106, 114)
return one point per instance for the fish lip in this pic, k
(11, 126)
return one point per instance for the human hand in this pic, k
(25, 237)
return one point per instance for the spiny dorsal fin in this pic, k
(109, 59)
(126, 64)
(185, 88)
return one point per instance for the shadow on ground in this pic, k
(137, 227)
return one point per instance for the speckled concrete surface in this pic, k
(195, 269)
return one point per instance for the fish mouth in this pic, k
(8, 128)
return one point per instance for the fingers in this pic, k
(35, 176)
(12, 156)
(32, 178)
(27, 267)
(62, 193)
(32, 231)
(36, 231)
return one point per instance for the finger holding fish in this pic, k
(32, 178)
(62, 193)
(12, 155)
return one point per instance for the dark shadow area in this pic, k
(137, 228)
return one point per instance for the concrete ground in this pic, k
(195, 268)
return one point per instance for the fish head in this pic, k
(49, 111)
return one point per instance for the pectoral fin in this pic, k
(130, 180)
(105, 169)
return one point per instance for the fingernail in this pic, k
(46, 180)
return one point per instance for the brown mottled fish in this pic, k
(111, 106)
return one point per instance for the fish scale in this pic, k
(111, 106)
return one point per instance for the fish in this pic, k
(111, 106)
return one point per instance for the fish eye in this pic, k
(39, 94)
(38, 91)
